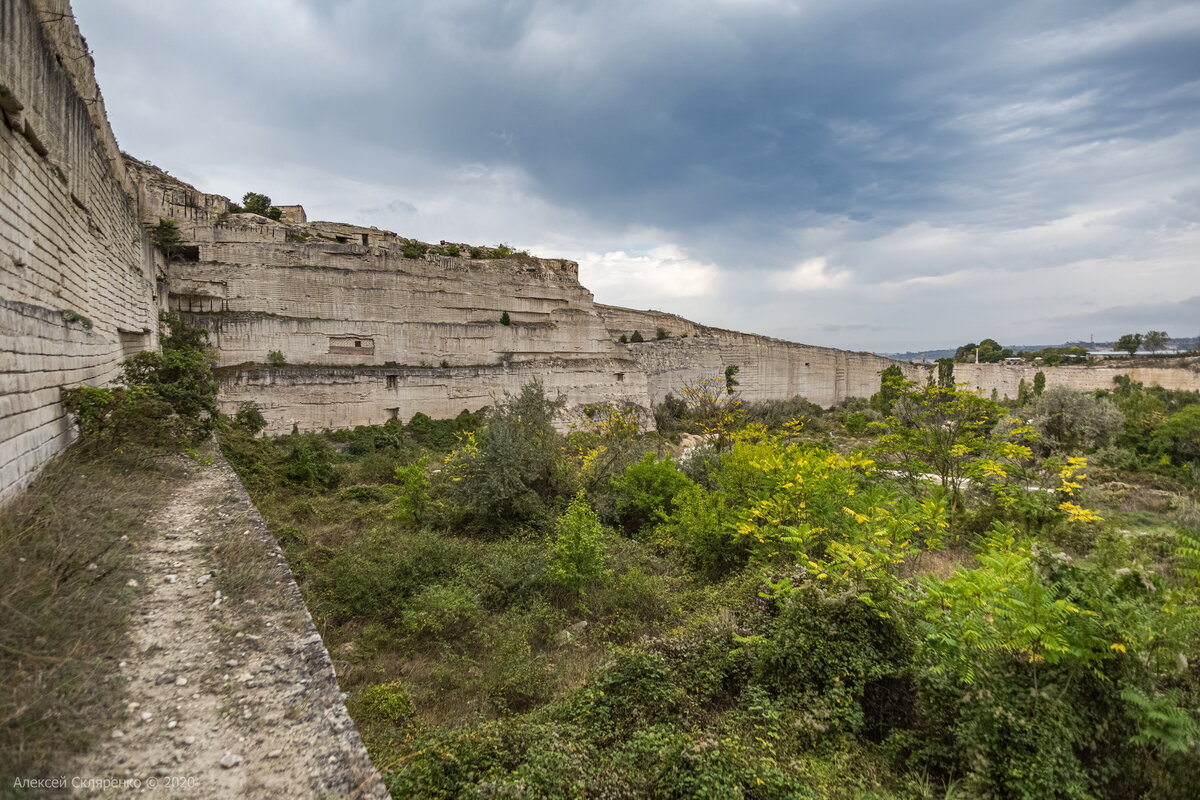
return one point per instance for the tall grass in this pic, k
(66, 546)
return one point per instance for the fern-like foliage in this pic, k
(1163, 724)
(1188, 555)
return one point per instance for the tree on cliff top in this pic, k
(990, 351)
(1155, 340)
(255, 203)
(1130, 342)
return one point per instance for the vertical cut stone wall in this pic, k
(77, 281)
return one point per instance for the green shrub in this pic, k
(381, 704)
(698, 529)
(366, 493)
(169, 398)
(645, 493)
(372, 577)
(505, 319)
(636, 337)
(513, 472)
(577, 551)
(308, 464)
(75, 317)
(442, 434)
(442, 612)
(255, 203)
(828, 646)
(180, 375)
(411, 504)
(414, 249)
(276, 359)
(517, 677)
(635, 690)
(125, 416)
(249, 418)
(167, 237)
(513, 571)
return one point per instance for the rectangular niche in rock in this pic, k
(352, 345)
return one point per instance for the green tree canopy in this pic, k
(990, 351)
(1130, 342)
(1154, 340)
(255, 203)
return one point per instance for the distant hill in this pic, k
(934, 355)
(1178, 343)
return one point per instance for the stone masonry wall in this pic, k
(70, 238)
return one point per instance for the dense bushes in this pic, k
(927, 609)
(169, 397)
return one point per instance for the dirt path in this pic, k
(228, 696)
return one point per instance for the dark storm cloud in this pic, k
(842, 158)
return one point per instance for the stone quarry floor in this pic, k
(226, 697)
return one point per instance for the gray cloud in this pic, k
(963, 170)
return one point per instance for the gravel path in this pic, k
(227, 698)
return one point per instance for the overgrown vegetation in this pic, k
(167, 237)
(914, 596)
(166, 398)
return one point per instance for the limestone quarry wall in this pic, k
(361, 306)
(768, 369)
(1005, 379)
(319, 398)
(70, 239)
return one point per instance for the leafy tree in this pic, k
(414, 249)
(255, 203)
(167, 237)
(943, 432)
(1069, 421)
(1178, 437)
(509, 472)
(276, 359)
(180, 375)
(990, 351)
(1022, 393)
(709, 407)
(249, 418)
(1039, 383)
(637, 337)
(892, 385)
(1130, 342)
(309, 463)
(1154, 340)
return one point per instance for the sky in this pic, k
(863, 174)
